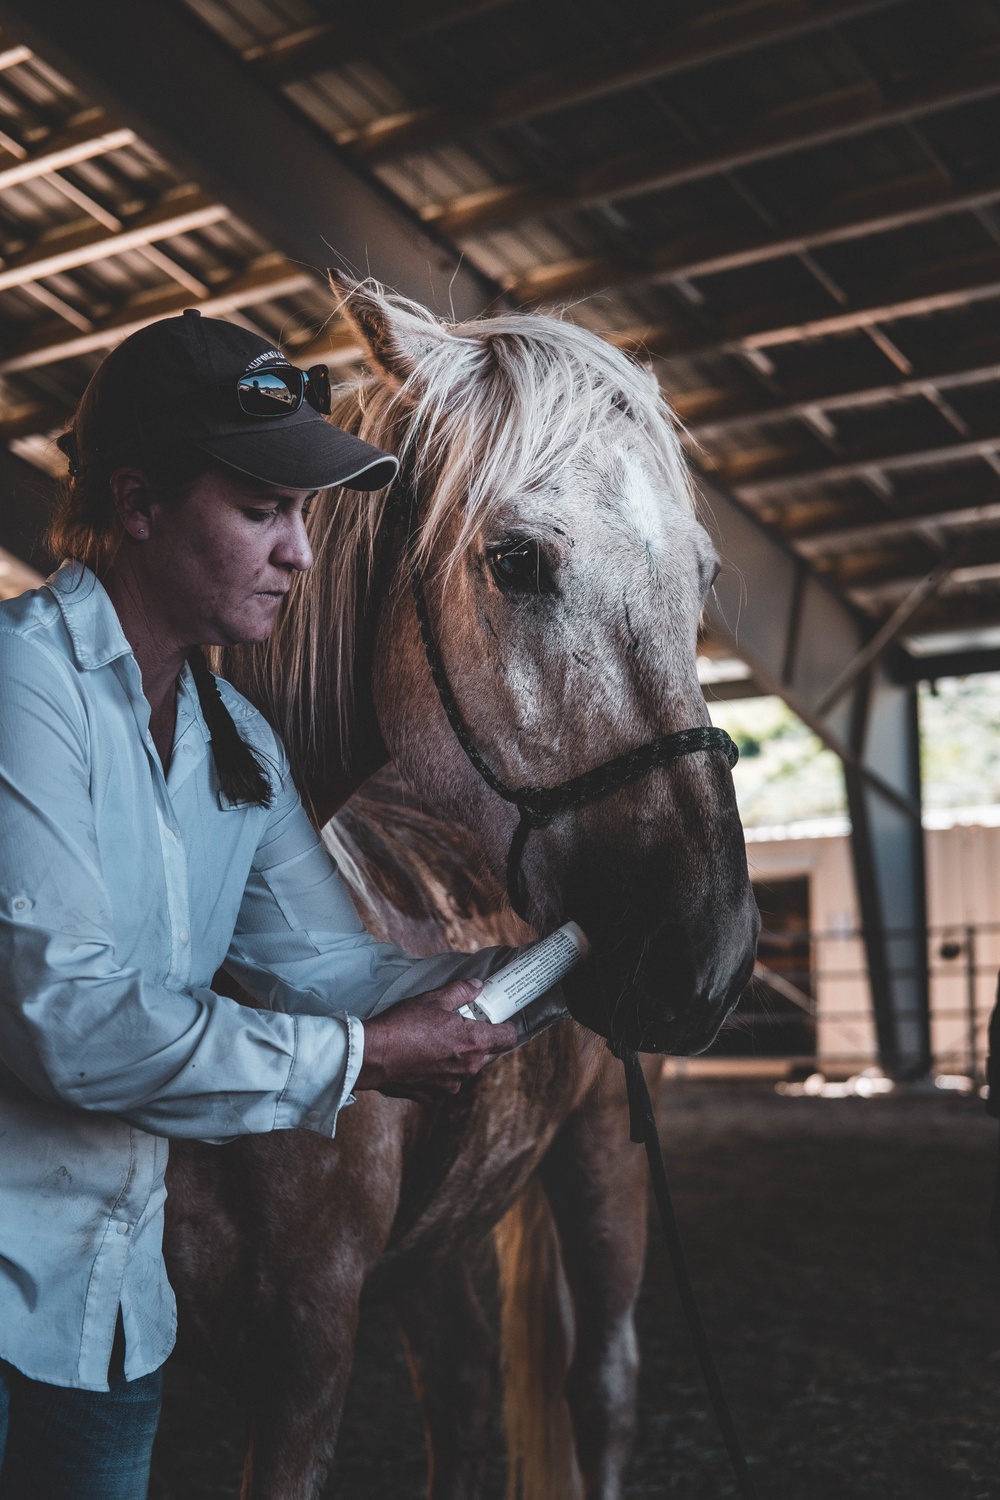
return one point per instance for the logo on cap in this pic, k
(269, 357)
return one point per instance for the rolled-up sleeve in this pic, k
(81, 1029)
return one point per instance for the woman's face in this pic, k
(216, 565)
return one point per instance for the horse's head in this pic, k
(565, 573)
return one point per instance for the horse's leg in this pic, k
(452, 1353)
(298, 1377)
(298, 1222)
(595, 1180)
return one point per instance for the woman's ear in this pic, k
(396, 338)
(133, 500)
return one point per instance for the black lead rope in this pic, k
(537, 807)
(645, 1133)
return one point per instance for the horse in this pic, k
(549, 508)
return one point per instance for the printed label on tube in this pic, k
(513, 987)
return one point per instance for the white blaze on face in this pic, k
(607, 660)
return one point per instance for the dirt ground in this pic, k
(840, 1251)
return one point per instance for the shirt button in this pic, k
(188, 749)
(21, 903)
(183, 936)
(123, 1229)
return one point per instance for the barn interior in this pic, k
(790, 209)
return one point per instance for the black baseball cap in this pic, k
(175, 381)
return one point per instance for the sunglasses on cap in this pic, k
(278, 390)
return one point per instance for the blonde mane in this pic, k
(491, 410)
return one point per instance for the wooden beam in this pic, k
(29, 497)
(13, 57)
(900, 529)
(705, 39)
(908, 607)
(856, 110)
(271, 276)
(93, 134)
(23, 418)
(891, 590)
(957, 291)
(364, 29)
(949, 664)
(179, 213)
(821, 396)
(892, 207)
(776, 486)
(185, 92)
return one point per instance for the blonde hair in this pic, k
(490, 409)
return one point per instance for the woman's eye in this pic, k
(260, 515)
(520, 568)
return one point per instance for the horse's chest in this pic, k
(482, 1151)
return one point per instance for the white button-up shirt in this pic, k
(121, 893)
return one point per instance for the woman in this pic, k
(150, 832)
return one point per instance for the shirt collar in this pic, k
(89, 616)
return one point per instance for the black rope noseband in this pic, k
(539, 805)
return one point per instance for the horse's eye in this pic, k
(520, 567)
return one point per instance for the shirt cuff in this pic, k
(329, 1051)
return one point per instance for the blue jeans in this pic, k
(77, 1445)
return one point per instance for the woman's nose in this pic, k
(294, 551)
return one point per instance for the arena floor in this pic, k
(840, 1251)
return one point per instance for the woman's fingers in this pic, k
(424, 1044)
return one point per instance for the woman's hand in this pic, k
(421, 1048)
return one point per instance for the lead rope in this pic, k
(644, 1132)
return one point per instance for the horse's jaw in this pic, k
(669, 912)
(656, 999)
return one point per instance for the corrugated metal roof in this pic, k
(792, 209)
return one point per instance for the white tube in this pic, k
(529, 975)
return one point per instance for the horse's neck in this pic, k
(327, 793)
(329, 787)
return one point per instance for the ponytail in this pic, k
(241, 775)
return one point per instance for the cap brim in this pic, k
(304, 453)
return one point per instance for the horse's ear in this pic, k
(395, 339)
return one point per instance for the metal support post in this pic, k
(970, 996)
(800, 639)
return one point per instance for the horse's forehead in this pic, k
(613, 487)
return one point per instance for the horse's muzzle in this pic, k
(672, 997)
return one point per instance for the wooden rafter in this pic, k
(24, 418)
(775, 486)
(888, 592)
(900, 529)
(179, 213)
(892, 207)
(960, 289)
(93, 134)
(856, 110)
(710, 414)
(271, 276)
(703, 40)
(13, 57)
(360, 30)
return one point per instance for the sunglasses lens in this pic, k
(271, 393)
(318, 388)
